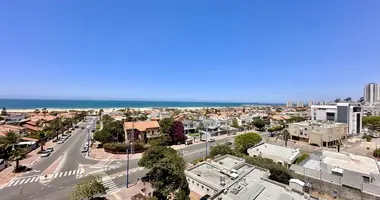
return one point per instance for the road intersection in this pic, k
(71, 166)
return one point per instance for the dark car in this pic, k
(55, 140)
(228, 143)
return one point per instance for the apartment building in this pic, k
(300, 104)
(349, 113)
(324, 134)
(310, 103)
(289, 104)
(371, 93)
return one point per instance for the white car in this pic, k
(60, 142)
(45, 154)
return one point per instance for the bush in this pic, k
(122, 147)
(302, 158)
(197, 161)
(221, 149)
(376, 153)
(367, 137)
(280, 174)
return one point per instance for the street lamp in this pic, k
(88, 141)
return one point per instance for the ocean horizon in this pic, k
(96, 104)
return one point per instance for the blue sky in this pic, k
(249, 51)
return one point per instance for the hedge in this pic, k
(302, 158)
(122, 147)
(376, 153)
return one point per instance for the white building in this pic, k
(289, 104)
(230, 178)
(349, 113)
(371, 93)
(279, 154)
(300, 104)
(310, 103)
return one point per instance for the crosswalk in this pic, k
(23, 181)
(34, 179)
(108, 183)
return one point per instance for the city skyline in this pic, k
(239, 51)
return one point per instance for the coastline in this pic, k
(97, 109)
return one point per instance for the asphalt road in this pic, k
(59, 188)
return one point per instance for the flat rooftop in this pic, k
(326, 124)
(280, 151)
(229, 162)
(351, 162)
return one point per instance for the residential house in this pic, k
(211, 125)
(147, 129)
(190, 126)
(279, 154)
(15, 118)
(4, 128)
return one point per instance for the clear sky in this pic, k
(248, 51)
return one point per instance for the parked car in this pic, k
(84, 150)
(210, 139)
(55, 140)
(50, 149)
(189, 141)
(228, 143)
(3, 164)
(60, 142)
(45, 154)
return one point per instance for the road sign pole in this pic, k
(127, 166)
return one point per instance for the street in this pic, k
(73, 166)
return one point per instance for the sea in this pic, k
(81, 104)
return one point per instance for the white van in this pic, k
(3, 164)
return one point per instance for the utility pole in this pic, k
(129, 151)
(206, 145)
(88, 141)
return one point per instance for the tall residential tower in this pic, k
(371, 93)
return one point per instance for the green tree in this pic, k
(235, 123)
(103, 136)
(42, 137)
(245, 141)
(54, 113)
(56, 126)
(166, 125)
(100, 112)
(221, 149)
(17, 155)
(4, 112)
(284, 135)
(166, 172)
(280, 174)
(200, 127)
(372, 122)
(8, 140)
(88, 188)
(258, 123)
(295, 119)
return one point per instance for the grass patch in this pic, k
(302, 158)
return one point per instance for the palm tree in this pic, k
(17, 155)
(42, 139)
(8, 140)
(56, 126)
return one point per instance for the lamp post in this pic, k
(206, 145)
(88, 141)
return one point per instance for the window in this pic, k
(197, 184)
(193, 181)
(365, 179)
(203, 187)
(208, 190)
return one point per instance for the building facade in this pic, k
(279, 154)
(289, 104)
(300, 104)
(326, 134)
(349, 113)
(371, 93)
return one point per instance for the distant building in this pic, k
(289, 104)
(371, 93)
(190, 126)
(15, 118)
(147, 129)
(372, 110)
(325, 134)
(230, 178)
(300, 104)
(279, 154)
(310, 103)
(349, 113)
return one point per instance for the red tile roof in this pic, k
(141, 125)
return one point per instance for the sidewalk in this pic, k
(101, 155)
(31, 158)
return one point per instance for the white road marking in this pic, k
(70, 173)
(33, 179)
(16, 182)
(65, 173)
(60, 174)
(27, 180)
(10, 184)
(22, 181)
(74, 171)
